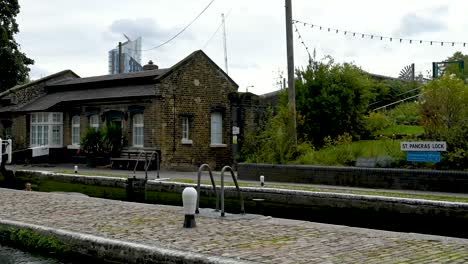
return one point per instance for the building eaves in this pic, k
(111, 77)
(35, 82)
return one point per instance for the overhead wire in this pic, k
(216, 31)
(182, 30)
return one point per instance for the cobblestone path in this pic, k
(260, 239)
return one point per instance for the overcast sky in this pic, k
(76, 35)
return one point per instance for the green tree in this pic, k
(454, 68)
(332, 100)
(444, 110)
(13, 63)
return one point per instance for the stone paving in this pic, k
(254, 238)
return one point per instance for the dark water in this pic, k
(14, 256)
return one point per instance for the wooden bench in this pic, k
(129, 157)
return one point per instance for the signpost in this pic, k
(423, 151)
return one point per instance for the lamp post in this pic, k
(247, 88)
(189, 200)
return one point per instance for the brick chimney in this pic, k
(150, 66)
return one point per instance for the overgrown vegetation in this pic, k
(33, 241)
(445, 117)
(332, 99)
(334, 105)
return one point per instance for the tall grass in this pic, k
(347, 154)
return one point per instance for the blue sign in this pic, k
(423, 156)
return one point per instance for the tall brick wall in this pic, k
(194, 90)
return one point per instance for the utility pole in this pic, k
(224, 41)
(120, 58)
(290, 56)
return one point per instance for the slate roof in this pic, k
(51, 99)
(150, 74)
(126, 85)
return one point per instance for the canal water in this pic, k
(10, 255)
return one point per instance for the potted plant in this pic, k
(92, 146)
(112, 140)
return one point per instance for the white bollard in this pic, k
(262, 180)
(76, 168)
(189, 199)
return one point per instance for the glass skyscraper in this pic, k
(131, 57)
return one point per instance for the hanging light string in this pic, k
(380, 37)
(303, 43)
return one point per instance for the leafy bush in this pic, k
(445, 118)
(377, 121)
(405, 113)
(105, 142)
(91, 143)
(112, 139)
(273, 144)
(332, 99)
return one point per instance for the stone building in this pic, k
(184, 112)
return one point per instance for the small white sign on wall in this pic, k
(424, 146)
(40, 151)
(235, 130)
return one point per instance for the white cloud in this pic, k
(77, 35)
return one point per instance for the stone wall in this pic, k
(425, 180)
(28, 92)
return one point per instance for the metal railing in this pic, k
(212, 183)
(147, 163)
(239, 193)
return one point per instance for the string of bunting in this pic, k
(378, 37)
(302, 41)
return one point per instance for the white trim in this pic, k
(138, 122)
(216, 129)
(75, 125)
(186, 142)
(186, 129)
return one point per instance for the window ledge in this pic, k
(73, 146)
(187, 142)
(218, 145)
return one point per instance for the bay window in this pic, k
(46, 129)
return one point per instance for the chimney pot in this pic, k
(150, 66)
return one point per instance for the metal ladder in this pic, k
(147, 163)
(212, 183)
(239, 193)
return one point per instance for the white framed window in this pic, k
(138, 130)
(75, 130)
(94, 121)
(186, 130)
(46, 129)
(216, 128)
